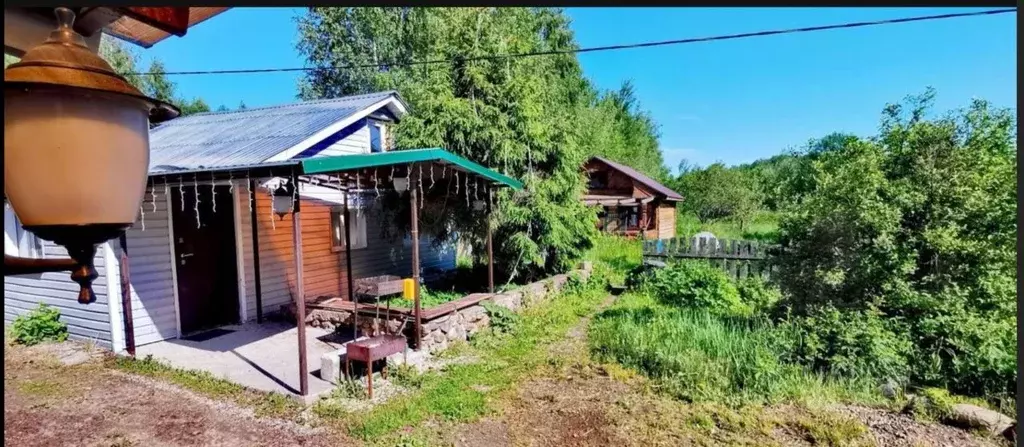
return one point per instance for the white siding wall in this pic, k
(149, 267)
(87, 322)
(356, 143)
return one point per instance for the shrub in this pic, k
(758, 294)
(851, 344)
(694, 285)
(41, 324)
(502, 318)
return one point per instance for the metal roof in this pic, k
(359, 161)
(645, 180)
(247, 137)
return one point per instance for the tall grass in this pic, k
(618, 253)
(699, 357)
(763, 226)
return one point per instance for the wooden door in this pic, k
(205, 258)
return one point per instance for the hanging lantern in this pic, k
(401, 184)
(283, 198)
(76, 147)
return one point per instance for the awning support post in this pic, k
(415, 230)
(300, 293)
(490, 245)
(348, 270)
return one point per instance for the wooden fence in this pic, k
(739, 259)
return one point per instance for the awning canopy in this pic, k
(345, 164)
(396, 158)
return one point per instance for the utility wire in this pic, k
(603, 48)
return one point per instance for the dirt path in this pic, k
(49, 404)
(575, 402)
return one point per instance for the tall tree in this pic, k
(154, 83)
(519, 115)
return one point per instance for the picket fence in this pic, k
(737, 258)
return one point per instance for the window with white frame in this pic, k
(357, 229)
(378, 136)
(17, 240)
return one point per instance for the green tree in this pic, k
(718, 192)
(8, 60)
(918, 226)
(518, 115)
(153, 83)
(620, 131)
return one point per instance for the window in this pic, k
(357, 231)
(378, 136)
(598, 180)
(18, 241)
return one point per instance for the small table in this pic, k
(371, 350)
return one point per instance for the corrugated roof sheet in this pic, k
(246, 137)
(647, 181)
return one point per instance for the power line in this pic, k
(603, 48)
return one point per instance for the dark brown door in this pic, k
(205, 258)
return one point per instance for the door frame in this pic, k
(239, 261)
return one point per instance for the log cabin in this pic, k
(631, 204)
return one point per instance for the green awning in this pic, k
(320, 165)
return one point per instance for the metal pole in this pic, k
(256, 251)
(126, 298)
(490, 247)
(415, 230)
(300, 293)
(348, 272)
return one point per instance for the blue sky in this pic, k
(730, 101)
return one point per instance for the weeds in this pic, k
(696, 356)
(39, 325)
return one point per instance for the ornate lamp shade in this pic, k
(76, 146)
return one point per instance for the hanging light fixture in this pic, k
(401, 184)
(76, 148)
(283, 197)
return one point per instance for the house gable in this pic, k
(348, 136)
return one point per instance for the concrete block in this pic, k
(330, 365)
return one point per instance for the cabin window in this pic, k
(18, 241)
(357, 231)
(598, 180)
(378, 136)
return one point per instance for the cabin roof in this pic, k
(658, 188)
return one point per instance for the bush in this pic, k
(693, 285)
(502, 318)
(850, 344)
(758, 294)
(41, 324)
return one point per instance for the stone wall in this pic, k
(439, 332)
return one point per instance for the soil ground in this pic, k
(47, 403)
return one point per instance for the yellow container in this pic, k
(409, 289)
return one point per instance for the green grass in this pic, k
(698, 357)
(202, 382)
(763, 227)
(619, 254)
(465, 391)
(428, 298)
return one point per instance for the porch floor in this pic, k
(259, 356)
